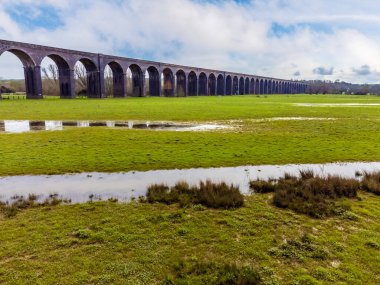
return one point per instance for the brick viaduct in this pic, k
(164, 79)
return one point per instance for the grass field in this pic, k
(352, 135)
(138, 243)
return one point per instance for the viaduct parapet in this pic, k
(165, 79)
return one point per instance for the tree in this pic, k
(50, 80)
(108, 81)
(80, 74)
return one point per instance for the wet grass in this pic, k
(142, 243)
(111, 150)
(201, 108)
(352, 137)
(208, 194)
(153, 243)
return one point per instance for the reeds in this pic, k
(208, 194)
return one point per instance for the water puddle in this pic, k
(124, 186)
(22, 126)
(292, 119)
(337, 104)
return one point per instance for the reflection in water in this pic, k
(27, 126)
(124, 186)
(83, 124)
(53, 126)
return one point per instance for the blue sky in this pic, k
(314, 39)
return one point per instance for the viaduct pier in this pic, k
(164, 79)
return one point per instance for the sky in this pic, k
(289, 39)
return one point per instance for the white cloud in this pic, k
(222, 35)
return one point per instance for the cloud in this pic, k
(323, 70)
(267, 37)
(363, 70)
(297, 73)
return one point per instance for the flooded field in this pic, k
(125, 186)
(22, 126)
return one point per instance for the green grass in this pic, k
(136, 243)
(141, 243)
(187, 109)
(13, 96)
(352, 136)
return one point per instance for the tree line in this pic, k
(341, 87)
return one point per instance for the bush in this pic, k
(371, 182)
(208, 194)
(219, 195)
(309, 194)
(262, 187)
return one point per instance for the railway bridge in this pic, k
(149, 78)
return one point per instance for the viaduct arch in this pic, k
(164, 79)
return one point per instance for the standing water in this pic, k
(124, 186)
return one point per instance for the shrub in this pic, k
(208, 194)
(371, 182)
(262, 187)
(219, 195)
(314, 196)
(307, 174)
(309, 194)
(158, 193)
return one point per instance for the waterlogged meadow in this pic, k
(177, 235)
(155, 243)
(262, 130)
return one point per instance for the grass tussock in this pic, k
(300, 249)
(195, 272)
(371, 182)
(208, 194)
(309, 194)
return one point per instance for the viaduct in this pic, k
(164, 79)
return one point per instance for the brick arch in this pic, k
(118, 79)
(192, 80)
(168, 79)
(212, 84)
(154, 81)
(32, 72)
(181, 83)
(220, 85)
(66, 85)
(202, 83)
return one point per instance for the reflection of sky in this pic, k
(124, 186)
(53, 126)
(17, 126)
(24, 126)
